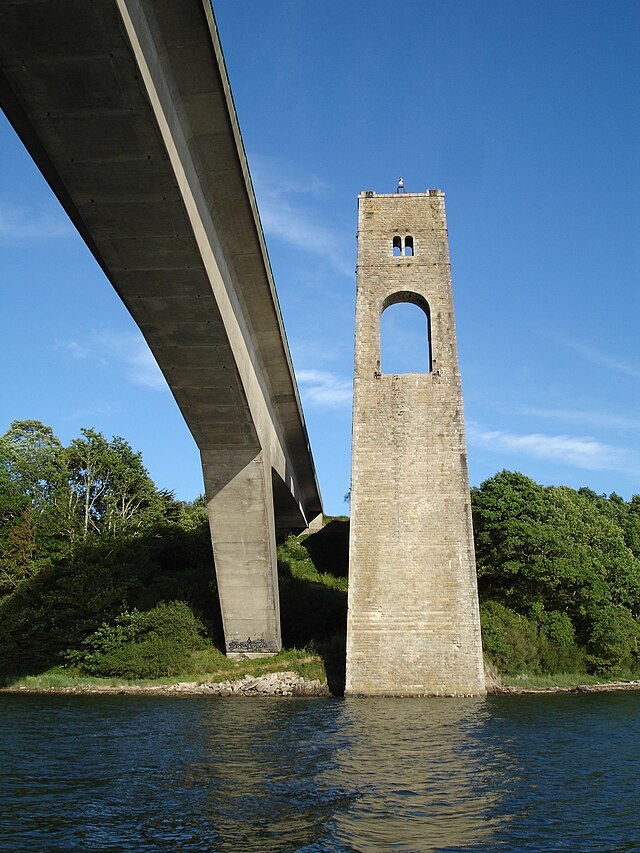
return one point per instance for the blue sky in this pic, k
(525, 114)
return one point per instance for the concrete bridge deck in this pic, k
(125, 107)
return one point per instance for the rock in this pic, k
(492, 679)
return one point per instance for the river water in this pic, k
(135, 773)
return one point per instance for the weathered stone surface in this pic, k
(413, 624)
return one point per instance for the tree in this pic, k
(89, 460)
(560, 558)
(111, 489)
(16, 557)
(33, 499)
(34, 458)
(132, 502)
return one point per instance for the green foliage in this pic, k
(16, 561)
(151, 644)
(34, 460)
(509, 639)
(90, 551)
(329, 548)
(295, 559)
(55, 608)
(208, 664)
(559, 650)
(53, 498)
(110, 490)
(516, 644)
(313, 606)
(564, 561)
(614, 641)
(33, 501)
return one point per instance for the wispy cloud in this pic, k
(578, 451)
(314, 350)
(129, 350)
(281, 220)
(584, 417)
(278, 178)
(78, 350)
(602, 359)
(287, 219)
(21, 224)
(323, 388)
(90, 412)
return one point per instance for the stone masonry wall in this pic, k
(413, 623)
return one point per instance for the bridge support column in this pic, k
(239, 495)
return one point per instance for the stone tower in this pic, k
(413, 627)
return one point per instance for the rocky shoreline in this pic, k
(605, 687)
(287, 684)
(270, 684)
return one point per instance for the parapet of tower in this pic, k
(413, 624)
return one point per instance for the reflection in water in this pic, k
(421, 770)
(375, 774)
(268, 757)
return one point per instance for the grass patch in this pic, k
(294, 558)
(563, 679)
(304, 662)
(209, 666)
(329, 548)
(58, 678)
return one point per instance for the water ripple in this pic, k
(122, 773)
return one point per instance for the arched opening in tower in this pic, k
(405, 339)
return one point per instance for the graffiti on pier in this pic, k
(247, 645)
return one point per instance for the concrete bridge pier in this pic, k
(239, 493)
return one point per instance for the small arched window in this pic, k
(397, 247)
(405, 334)
(408, 246)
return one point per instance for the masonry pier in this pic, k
(413, 621)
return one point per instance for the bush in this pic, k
(559, 651)
(149, 644)
(510, 640)
(614, 643)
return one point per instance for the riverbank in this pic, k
(600, 687)
(267, 684)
